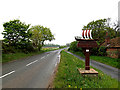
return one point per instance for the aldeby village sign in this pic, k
(86, 43)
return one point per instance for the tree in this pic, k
(47, 35)
(116, 27)
(99, 29)
(36, 35)
(39, 35)
(16, 33)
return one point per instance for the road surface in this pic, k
(113, 72)
(32, 72)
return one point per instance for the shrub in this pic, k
(27, 47)
(94, 51)
(21, 47)
(62, 46)
(8, 49)
(73, 46)
(102, 51)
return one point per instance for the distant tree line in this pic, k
(51, 45)
(18, 36)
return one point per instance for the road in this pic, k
(32, 72)
(113, 72)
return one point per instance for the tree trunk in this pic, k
(39, 46)
(42, 43)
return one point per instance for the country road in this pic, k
(32, 72)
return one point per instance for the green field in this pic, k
(69, 77)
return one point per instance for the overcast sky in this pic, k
(65, 18)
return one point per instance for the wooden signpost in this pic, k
(86, 43)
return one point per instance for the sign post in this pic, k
(87, 60)
(86, 43)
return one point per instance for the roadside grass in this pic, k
(17, 55)
(20, 55)
(77, 53)
(107, 60)
(68, 76)
(114, 62)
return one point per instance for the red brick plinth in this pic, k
(88, 72)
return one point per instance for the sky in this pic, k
(65, 18)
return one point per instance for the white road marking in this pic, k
(31, 62)
(7, 74)
(59, 59)
(42, 57)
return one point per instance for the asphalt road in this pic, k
(113, 72)
(32, 72)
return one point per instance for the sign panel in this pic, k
(87, 44)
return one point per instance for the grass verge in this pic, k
(69, 77)
(20, 55)
(107, 60)
(78, 53)
(114, 62)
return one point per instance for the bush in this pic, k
(7, 49)
(102, 51)
(27, 47)
(94, 51)
(62, 46)
(19, 47)
(73, 46)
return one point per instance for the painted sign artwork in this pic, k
(86, 34)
